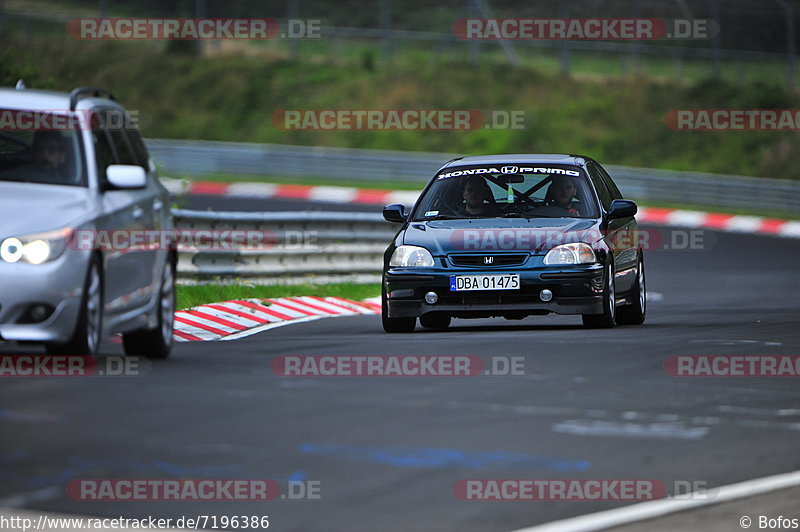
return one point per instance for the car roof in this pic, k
(520, 158)
(41, 100)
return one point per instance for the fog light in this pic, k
(431, 298)
(545, 295)
(36, 313)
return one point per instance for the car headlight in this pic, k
(36, 248)
(578, 253)
(411, 256)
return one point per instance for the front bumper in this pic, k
(576, 290)
(58, 284)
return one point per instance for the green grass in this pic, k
(615, 119)
(200, 294)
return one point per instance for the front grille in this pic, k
(489, 260)
(488, 299)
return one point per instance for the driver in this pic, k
(477, 195)
(48, 155)
(561, 193)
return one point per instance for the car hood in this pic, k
(442, 237)
(33, 207)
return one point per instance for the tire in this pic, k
(395, 325)
(435, 321)
(635, 313)
(156, 343)
(607, 319)
(86, 338)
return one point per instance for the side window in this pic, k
(139, 149)
(122, 146)
(103, 152)
(600, 186)
(612, 187)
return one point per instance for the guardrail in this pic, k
(198, 158)
(291, 243)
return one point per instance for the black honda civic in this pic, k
(514, 236)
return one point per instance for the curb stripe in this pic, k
(209, 322)
(217, 320)
(201, 325)
(264, 309)
(244, 315)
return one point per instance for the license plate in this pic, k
(460, 283)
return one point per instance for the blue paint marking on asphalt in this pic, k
(420, 457)
(297, 476)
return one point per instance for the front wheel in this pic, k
(156, 343)
(395, 325)
(608, 317)
(86, 338)
(634, 314)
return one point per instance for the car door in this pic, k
(627, 238)
(126, 215)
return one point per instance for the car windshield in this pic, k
(51, 157)
(552, 191)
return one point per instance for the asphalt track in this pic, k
(388, 451)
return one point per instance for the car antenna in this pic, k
(20, 86)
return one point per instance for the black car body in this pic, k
(523, 249)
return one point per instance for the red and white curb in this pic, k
(230, 320)
(325, 194)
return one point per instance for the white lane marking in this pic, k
(672, 431)
(687, 218)
(654, 296)
(260, 190)
(333, 194)
(652, 509)
(734, 342)
(23, 499)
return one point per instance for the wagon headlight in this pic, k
(578, 253)
(411, 256)
(36, 248)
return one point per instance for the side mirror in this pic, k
(395, 213)
(126, 176)
(622, 208)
